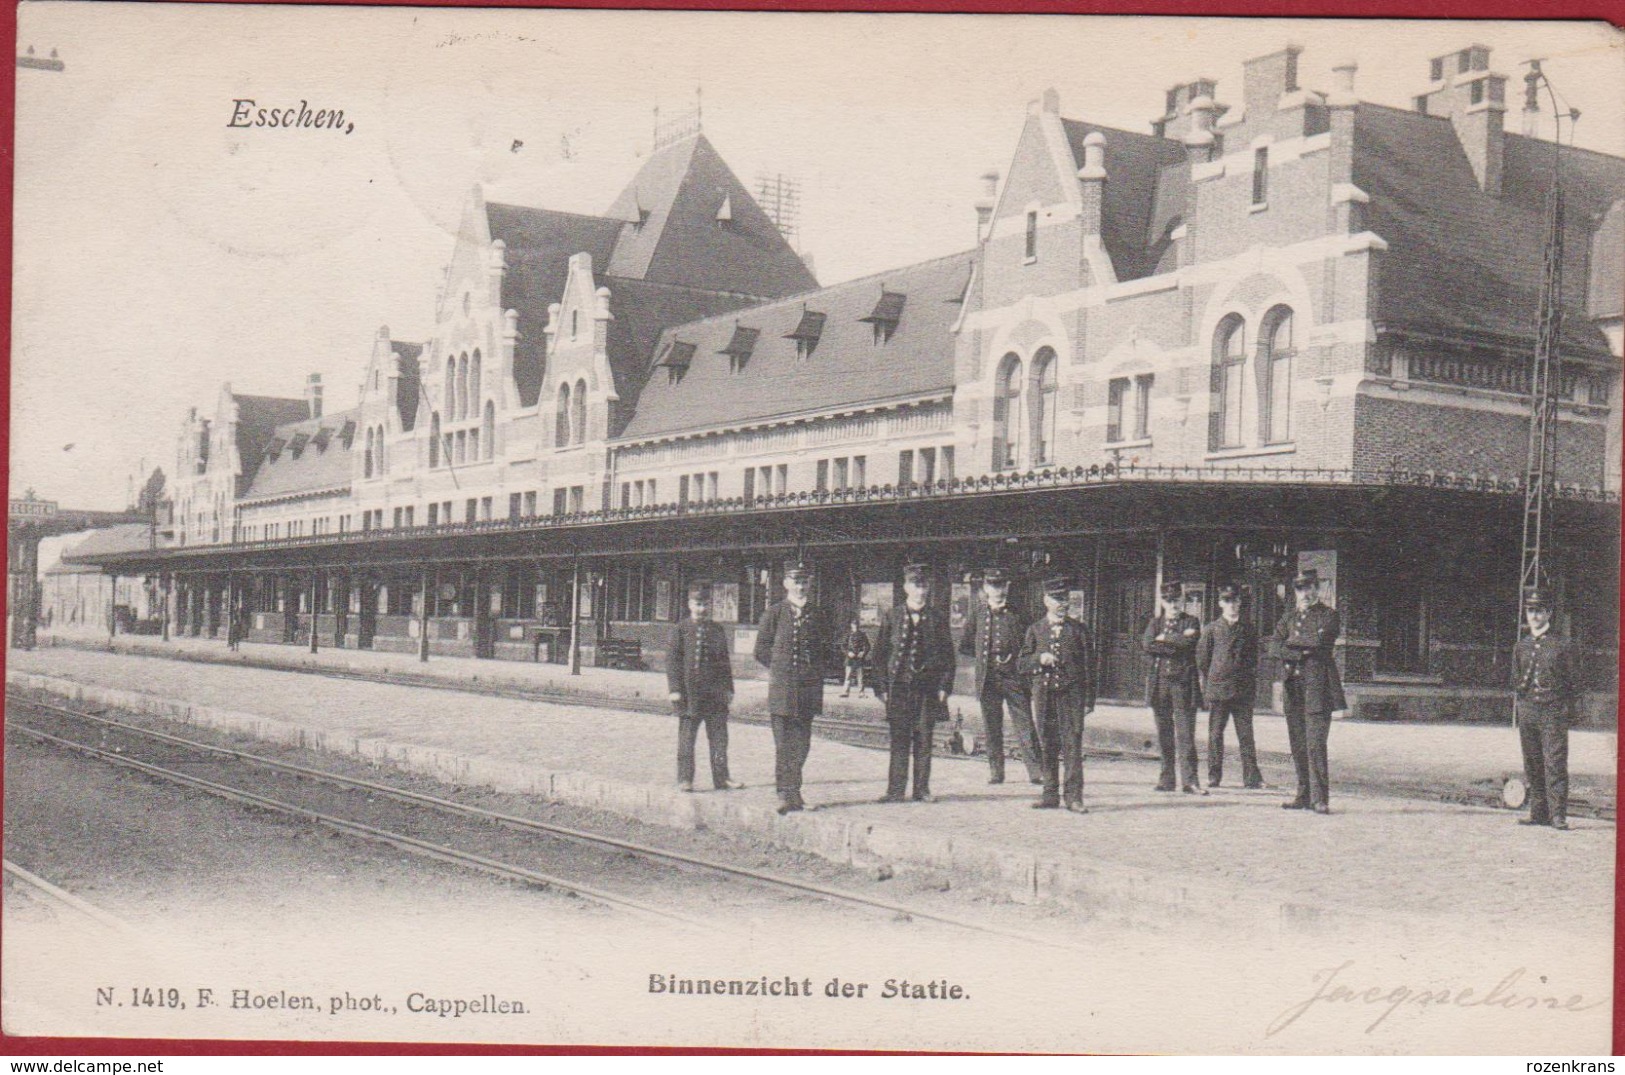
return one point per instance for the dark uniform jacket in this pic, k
(857, 646)
(793, 647)
(1544, 672)
(994, 639)
(1305, 643)
(1073, 673)
(1173, 659)
(1227, 658)
(698, 667)
(921, 657)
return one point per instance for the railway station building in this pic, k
(1279, 328)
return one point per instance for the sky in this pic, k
(160, 253)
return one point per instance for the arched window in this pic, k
(1275, 377)
(561, 421)
(462, 386)
(434, 440)
(380, 457)
(578, 414)
(451, 389)
(1229, 360)
(1007, 413)
(366, 458)
(488, 427)
(474, 382)
(1045, 394)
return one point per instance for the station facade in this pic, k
(1289, 330)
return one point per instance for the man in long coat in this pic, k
(699, 677)
(1546, 682)
(1058, 656)
(1305, 643)
(1171, 688)
(1227, 660)
(914, 667)
(791, 642)
(993, 636)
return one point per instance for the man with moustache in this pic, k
(790, 642)
(914, 673)
(1227, 661)
(1304, 642)
(699, 676)
(1058, 656)
(1171, 688)
(1546, 682)
(994, 636)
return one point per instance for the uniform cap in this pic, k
(995, 576)
(699, 588)
(1308, 578)
(1229, 593)
(1171, 591)
(1058, 586)
(1536, 598)
(916, 573)
(797, 569)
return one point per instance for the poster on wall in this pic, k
(725, 602)
(1324, 562)
(663, 599)
(876, 598)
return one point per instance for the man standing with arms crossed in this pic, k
(1227, 660)
(914, 667)
(1171, 688)
(994, 636)
(1305, 641)
(700, 677)
(1547, 687)
(790, 642)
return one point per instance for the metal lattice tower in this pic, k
(1546, 370)
(779, 195)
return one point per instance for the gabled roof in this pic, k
(1460, 261)
(126, 537)
(686, 238)
(848, 368)
(540, 243)
(257, 418)
(1144, 196)
(313, 467)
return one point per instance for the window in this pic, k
(888, 312)
(462, 445)
(842, 473)
(434, 514)
(1116, 391)
(821, 482)
(1007, 413)
(578, 498)
(473, 446)
(1275, 378)
(530, 505)
(1046, 406)
(945, 458)
(1142, 405)
(626, 494)
(451, 389)
(575, 323)
(750, 483)
(471, 509)
(1436, 69)
(682, 489)
(462, 388)
(513, 506)
(474, 380)
(561, 420)
(928, 465)
(807, 333)
(1032, 235)
(578, 414)
(561, 502)
(1475, 92)
(409, 511)
(1229, 358)
(434, 440)
(1261, 175)
(485, 509)
(781, 482)
(905, 466)
(488, 426)
(859, 466)
(1464, 61)
(740, 347)
(366, 458)
(652, 498)
(445, 512)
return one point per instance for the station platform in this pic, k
(1381, 860)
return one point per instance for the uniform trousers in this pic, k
(1543, 731)
(910, 716)
(792, 739)
(1307, 734)
(1176, 735)
(1219, 714)
(715, 719)
(1060, 728)
(998, 694)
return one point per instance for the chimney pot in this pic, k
(1094, 156)
(1343, 95)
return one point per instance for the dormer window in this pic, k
(321, 438)
(677, 357)
(274, 449)
(297, 445)
(886, 315)
(725, 212)
(1436, 70)
(1475, 93)
(740, 347)
(807, 333)
(347, 434)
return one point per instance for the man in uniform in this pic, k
(790, 642)
(1171, 687)
(1227, 661)
(1544, 678)
(914, 673)
(700, 677)
(994, 636)
(1056, 653)
(1304, 642)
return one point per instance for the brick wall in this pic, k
(1423, 436)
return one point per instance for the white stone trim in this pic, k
(1066, 168)
(1348, 192)
(1247, 451)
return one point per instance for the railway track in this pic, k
(58, 897)
(273, 787)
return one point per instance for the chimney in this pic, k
(1176, 118)
(1051, 102)
(1464, 89)
(1091, 178)
(1265, 80)
(1199, 140)
(984, 204)
(313, 394)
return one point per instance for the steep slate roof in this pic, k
(1459, 260)
(540, 244)
(126, 537)
(315, 468)
(411, 386)
(846, 368)
(257, 417)
(1607, 297)
(681, 188)
(1144, 198)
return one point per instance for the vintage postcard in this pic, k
(1129, 506)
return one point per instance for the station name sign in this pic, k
(32, 508)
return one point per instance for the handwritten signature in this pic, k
(1503, 995)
